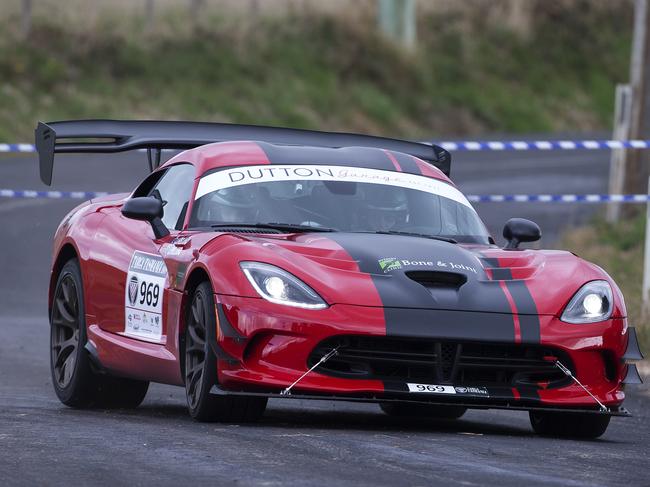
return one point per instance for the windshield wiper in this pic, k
(289, 227)
(413, 234)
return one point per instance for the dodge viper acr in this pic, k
(265, 262)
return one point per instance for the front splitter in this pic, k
(612, 411)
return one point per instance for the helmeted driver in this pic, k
(385, 207)
(233, 205)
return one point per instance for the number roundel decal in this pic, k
(133, 290)
(143, 301)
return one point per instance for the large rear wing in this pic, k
(108, 136)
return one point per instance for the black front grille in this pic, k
(441, 362)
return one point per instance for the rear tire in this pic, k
(75, 383)
(404, 410)
(201, 367)
(568, 425)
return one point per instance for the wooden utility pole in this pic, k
(26, 14)
(149, 8)
(635, 179)
(196, 7)
(397, 20)
(622, 111)
(645, 289)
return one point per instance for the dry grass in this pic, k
(470, 75)
(515, 15)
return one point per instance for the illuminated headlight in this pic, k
(278, 286)
(592, 303)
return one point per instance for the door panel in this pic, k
(130, 280)
(125, 251)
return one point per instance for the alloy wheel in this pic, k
(195, 350)
(64, 338)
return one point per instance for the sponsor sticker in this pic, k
(438, 389)
(456, 267)
(388, 264)
(170, 250)
(239, 176)
(143, 300)
(474, 391)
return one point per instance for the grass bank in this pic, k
(467, 77)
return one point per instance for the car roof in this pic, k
(210, 157)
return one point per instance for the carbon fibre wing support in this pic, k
(109, 136)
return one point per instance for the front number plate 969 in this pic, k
(431, 389)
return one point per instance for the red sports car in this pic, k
(266, 262)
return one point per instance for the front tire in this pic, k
(405, 410)
(201, 367)
(75, 383)
(569, 425)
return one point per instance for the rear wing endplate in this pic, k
(109, 136)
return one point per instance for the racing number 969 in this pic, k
(430, 388)
(149, 293)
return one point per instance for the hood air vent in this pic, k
(236, 229)
(438, 280)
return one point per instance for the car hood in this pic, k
(413, 272)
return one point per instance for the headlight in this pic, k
(280, 287)
(593, 302)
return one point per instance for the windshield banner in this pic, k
(262, 174)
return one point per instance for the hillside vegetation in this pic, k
(467, 77)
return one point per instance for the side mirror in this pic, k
(519, 230)
(147, 209)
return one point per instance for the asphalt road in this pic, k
(297, 443)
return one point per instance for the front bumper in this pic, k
(262, 348)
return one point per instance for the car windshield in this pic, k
(342, 198)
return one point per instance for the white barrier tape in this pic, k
(543, 145)
(55, 195)
(558, 198)
(472, 145)
(474, 198)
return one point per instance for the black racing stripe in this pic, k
(498, 273)
(528, 324)
(406, 162)
(348, 156)
(453, 325)
(411, 309)
(527, 311)
(524, 302)
(397, 290)
(501, 274)
(491, 262)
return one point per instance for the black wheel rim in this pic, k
(64, 337)
(195, 353)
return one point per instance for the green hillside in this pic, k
(317, 71)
